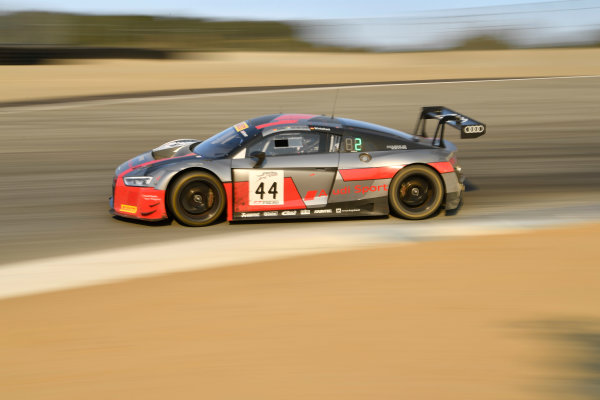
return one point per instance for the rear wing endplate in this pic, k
(469, 128)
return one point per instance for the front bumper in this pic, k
(144, 203)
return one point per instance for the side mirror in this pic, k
(260, 158)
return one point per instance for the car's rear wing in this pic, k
(469, 128)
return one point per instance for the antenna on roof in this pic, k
(334, 103)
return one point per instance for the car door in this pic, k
(365, 171)
(295, 176)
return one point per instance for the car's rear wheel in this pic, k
(416, 192)
(196, 199)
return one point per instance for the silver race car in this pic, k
(298, 166)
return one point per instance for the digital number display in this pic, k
(357, 144)
(353, 144)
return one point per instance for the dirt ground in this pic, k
(21, 83)
(499, 317)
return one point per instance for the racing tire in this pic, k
(416, 192)
(196, 199)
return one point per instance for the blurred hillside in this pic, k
(572, 23)
(36, 37)
(148, 32)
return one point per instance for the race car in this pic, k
(298, 166)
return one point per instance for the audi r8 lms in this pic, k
(298, 166)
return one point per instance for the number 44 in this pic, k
(260, 190)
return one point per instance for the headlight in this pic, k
(138, 180)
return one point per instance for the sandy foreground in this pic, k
(214, 70)
(499, 317)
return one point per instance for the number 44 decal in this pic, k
(265, 187)
(261, 190)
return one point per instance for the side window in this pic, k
(290, 143)
(334, 143)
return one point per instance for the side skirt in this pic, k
(369, 208)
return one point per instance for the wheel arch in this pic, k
(431, 168)
(182, 172)
(428, 167)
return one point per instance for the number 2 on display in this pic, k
(353, 144)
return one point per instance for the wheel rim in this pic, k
(198, 199)
(416, 192)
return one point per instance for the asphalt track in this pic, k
(541, 155)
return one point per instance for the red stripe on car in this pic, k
(280, 122)
(295, 116)
(364, 174)
(291, 198)
(229, 197)
(310, 195)
(443, 167)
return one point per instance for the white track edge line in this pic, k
(93, 103)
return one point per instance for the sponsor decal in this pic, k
(311, 194)
(304, 212)
(325, 211)
(320, 128)
(128, 209)
(396, 147)
(241, 126)
(367, 189)
(265, 187)
(270, 213)
(474, 129)
(289, 212)
(360, 189)
(250, 215)
(344, 190)
(349, 210)
(151, 197)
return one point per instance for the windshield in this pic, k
(221, 144)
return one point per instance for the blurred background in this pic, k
(85, 86)
(29, 30)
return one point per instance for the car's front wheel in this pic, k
(416, 192)
(196, 198)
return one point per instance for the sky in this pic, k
(253, 9)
